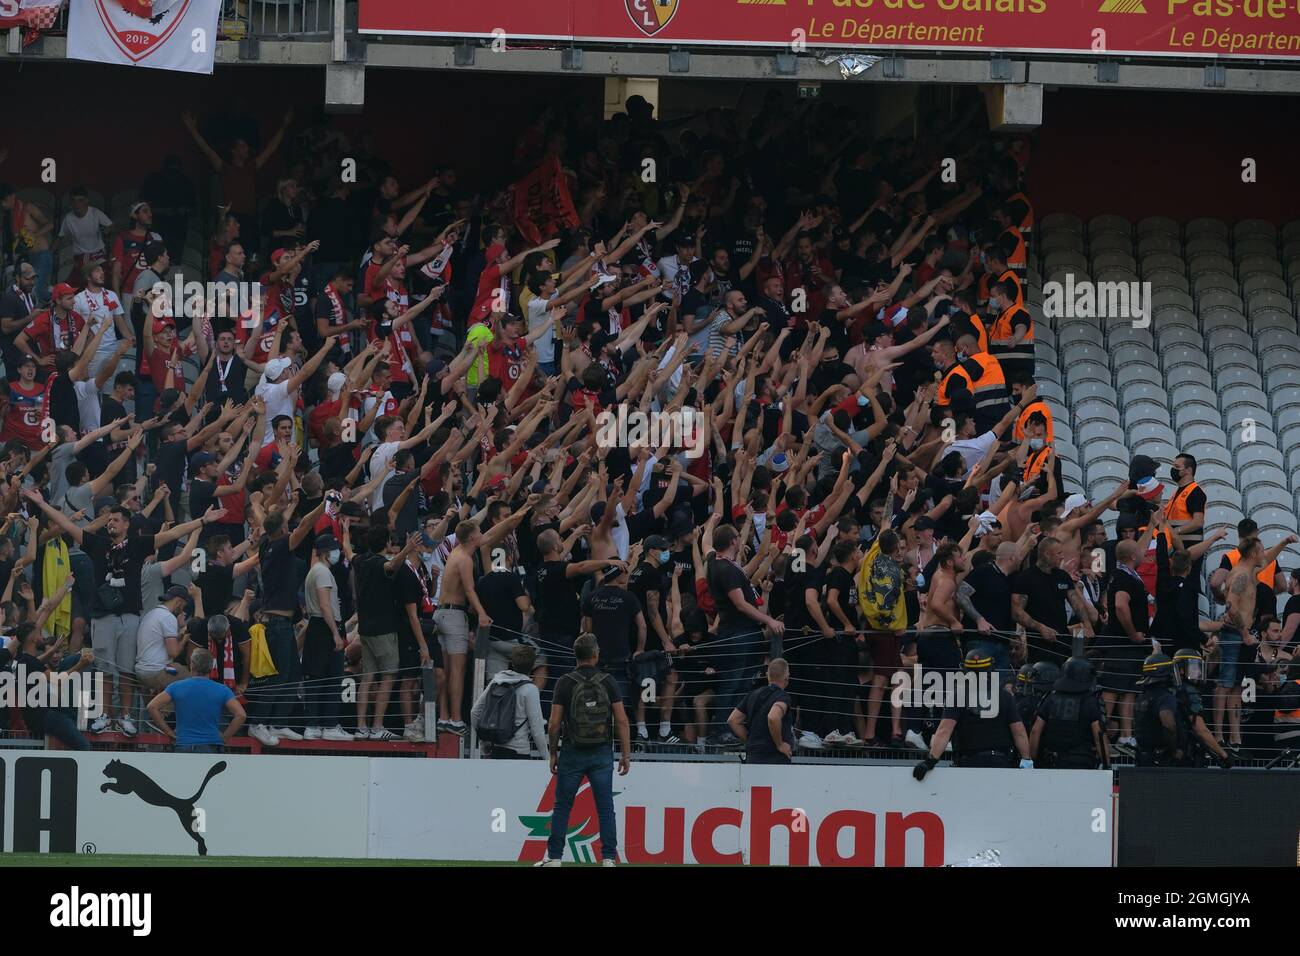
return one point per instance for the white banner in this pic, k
(728, 813)
(183, 804)
(161, 34)
(485, 810)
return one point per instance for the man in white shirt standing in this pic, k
(279, 385)
(99, 304)
(85, 227)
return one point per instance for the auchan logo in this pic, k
(840, 838)
(651, 16)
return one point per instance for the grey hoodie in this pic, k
(528, 712)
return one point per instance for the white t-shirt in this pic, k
(972, 450)
(150, 650)
(378, 460)
(97, 307)
(85, 231)
(544, 343)
(87, 405)
(278, 402)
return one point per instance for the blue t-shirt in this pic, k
(199, 704)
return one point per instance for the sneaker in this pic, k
(642, 735)
(414, 732)
(444, 726)
(286, 733)
(851, 740)
(609, 862)
(262, 734)
(810, 741)
(312, 733)
(127, 726)
(336, 733)
(834, 739)
(670, 739)
(458, 728)
(913, 739)
(361, 733)
(382, 733)
(547, 861)
(100, 724)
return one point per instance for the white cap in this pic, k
(336, 383)
(275, 368)
(1073, 503)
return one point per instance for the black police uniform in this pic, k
(985, 741)
(1153, 749)
(1066, 741)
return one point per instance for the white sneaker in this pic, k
(414, 731)
(127, 726)
(609, 863)
(286, 733)
(312, 733)
(336, 733)
(362, 733)
(382, 733)
(100, 724)
(834, 739)
(547, 861)
(262, 734)
(914, 739)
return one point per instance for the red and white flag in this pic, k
(32, 14)
(161, 34)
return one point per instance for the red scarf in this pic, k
(225, 672)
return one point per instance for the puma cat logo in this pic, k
(123, 778)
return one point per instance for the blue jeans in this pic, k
(597, 765)
(271, 699)
(63, 728)
(199, 749)
(1229, 655)
(739, 653)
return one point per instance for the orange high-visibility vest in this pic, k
(989, 389)
(1176, 510)
(1287, 717)
(1002, 335)
(981, 334)
(1038, 406)
(1034, 463)
(1018, 259)
(1026, 224)
(1265, 575)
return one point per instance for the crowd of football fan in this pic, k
(404, 443)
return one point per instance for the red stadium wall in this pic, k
(1167, 154)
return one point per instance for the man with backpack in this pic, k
(586, 709)
(508, 714)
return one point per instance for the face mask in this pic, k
(664, 557)
(1036, 444)
(962, 356)
(862, 401)
(920, 580)
(1174, 473)
(334, 556)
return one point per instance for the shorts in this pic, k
(1229, 656)
(112, 638)
(453, 630)
(378, 653)
(1120, 666)
(156, 681)
(408, 650)
(885, 657)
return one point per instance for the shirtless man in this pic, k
(1018, 515)
(941, 609)
(1238, 621)
(456, 599)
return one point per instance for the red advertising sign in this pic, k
(1258, 29)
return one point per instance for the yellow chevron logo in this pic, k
(766, 3)
(1122, 6)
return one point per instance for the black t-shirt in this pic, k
(1047, 594)
(1123, 581)
(217, 587)
(377, 610)
(641, 524)
(409, 589)
(564, 694)
(613, 612)
(756, 707)
(118, 567)
(1292, 606)
(992, 597)
(279, 576)
(408, 519)
(227, 383)
(795, 614)
(203, 494)
(725, 576)
(558, 610)
(171, 459)
(498, 592)
(648, 578)
(846, 594)
(839, 337)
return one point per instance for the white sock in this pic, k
(665, 728)
(641, 729)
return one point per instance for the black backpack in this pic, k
(497, 724)
(587, 719)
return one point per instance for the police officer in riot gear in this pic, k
(985, 732)
(1024, 694)
(1161, 729)
(1190, 669)
(1068, 733)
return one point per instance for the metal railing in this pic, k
(266, 19)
